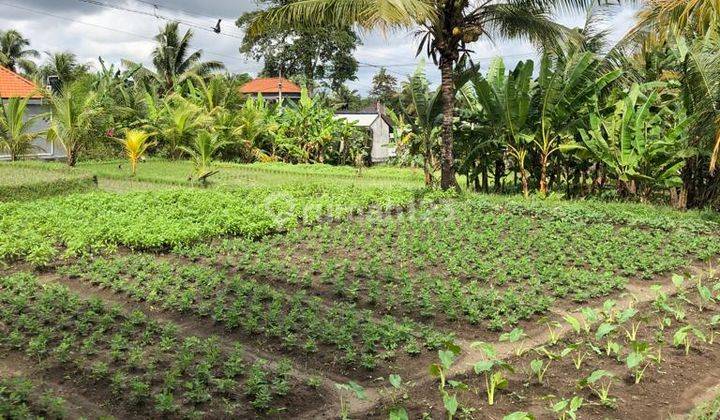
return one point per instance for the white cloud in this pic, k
(80, 27)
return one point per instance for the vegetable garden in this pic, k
(326, 300)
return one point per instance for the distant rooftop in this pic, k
(270, 85)
(12, 85)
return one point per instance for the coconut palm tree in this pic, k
(180, 121)
(446, 29)
(73, 111)
(173, 60)
(14, 54)
(64, 65)
(17, 132)
(202, 152)
(135, 144)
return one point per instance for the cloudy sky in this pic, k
(89, 28)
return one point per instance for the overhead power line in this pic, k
(149, 38)
(157, 15)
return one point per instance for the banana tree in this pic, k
(640, 142)
(565, 88)
(504, 102)
(425, 122)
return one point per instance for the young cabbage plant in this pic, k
(599, 382)
(605, 331)
(349, 388)
(515, 336)
(574, 323)
(609, 311)
(706, 296)
(684, 337)
(450, 403)
(577, 352)
(519, 415)
(638, 359)
(398, 391)
(661, 298)
(590, 317)
(439, 370)
(664, 322)
(553, 333)
(713, 325)
(680, 290)
(567, 409)
(493, 369)
(539, 368)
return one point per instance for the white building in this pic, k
(12, 85)
(379, 127)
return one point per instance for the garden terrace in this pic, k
(261, 174)
(335, 285)
(139, 364)
(39, 231)
(491, 265)
(652, 359)
(32, 180)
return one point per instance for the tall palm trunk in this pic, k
(71, 157)
(447, 179)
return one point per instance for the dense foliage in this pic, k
(146, 364)
(102, 221)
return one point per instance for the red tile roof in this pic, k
(12, 85)
(270, 85)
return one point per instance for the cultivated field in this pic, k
(318, 292)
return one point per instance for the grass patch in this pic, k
(22, 181)
(259, 174)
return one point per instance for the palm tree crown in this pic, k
(173, 60)
(14, 54)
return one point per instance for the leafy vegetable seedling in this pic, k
(600, 381)
(350, 387)
(684, 337)
(493, 370)
(515, 336)
(637, 360)
(539, 368)
(568, 408)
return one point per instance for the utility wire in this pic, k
(157, 5)
(42, 12)
(158, 16)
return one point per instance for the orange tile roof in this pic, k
(12, 85)
(270, 85)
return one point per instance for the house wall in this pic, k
(44, 149)
(380, 151)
